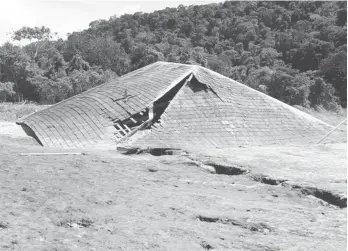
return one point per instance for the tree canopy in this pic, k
(293, 51)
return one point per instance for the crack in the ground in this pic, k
(214, 167)
(206, 245)
(254, 227)
(234, 169)
(325, 195)
(267, 180)
(152, 151)
(3, 225)
(76, 224)
(227, 169)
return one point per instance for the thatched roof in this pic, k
(205, 109)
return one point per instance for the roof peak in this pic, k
(174, 63)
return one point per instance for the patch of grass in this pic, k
(331, 117)
(14, 111)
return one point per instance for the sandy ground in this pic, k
(253, 198)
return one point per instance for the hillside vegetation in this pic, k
(293, 51)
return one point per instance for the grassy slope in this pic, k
(14, 111)
(332, 118)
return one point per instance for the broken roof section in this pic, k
(173, 106)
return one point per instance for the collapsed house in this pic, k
(169, 105)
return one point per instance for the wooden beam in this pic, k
(129, 130)
(151, 113)
(121, 129)
(331, 131)
(143, 125)
(139, 118)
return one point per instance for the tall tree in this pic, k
(39, 34)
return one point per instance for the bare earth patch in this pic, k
(108, 201)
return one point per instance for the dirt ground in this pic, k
(245, 198)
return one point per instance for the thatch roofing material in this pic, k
(83, 119)
(226, 113)
(229, 114)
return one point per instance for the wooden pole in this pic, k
(331, 131)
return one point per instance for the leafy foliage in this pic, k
(293, 51)
(6, 91)
(38, 33)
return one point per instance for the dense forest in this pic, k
(293, 51)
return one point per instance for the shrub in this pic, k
(323, 94)
(289, 86)
(6, 91)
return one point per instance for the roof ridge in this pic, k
(174, 63)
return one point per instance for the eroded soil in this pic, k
(260, 198)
